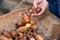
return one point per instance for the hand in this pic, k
(40, 3)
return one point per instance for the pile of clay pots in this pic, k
(25, 30)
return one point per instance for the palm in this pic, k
(43, 4)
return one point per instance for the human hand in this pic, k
(40, 3)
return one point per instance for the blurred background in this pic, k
(7, 6)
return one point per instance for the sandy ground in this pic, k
(47, 24)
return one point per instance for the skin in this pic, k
(40, 3)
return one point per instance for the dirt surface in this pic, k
(47, 23)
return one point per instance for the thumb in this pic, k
(43, 9)
(35, 3)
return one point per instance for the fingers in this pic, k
(34, 14)
(38, 14)
(40, 3)
(41, 12)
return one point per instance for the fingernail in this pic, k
(32, 14)
(35, 7)
(35, 14)
(30, 10)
